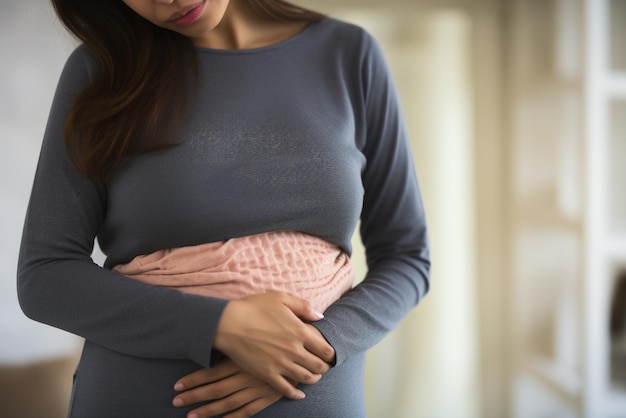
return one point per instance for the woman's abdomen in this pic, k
(286, 261)
(109, 384)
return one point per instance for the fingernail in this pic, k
(178, 402)
(318, 314)
(193, 415)
(301, 395)
(179, 386)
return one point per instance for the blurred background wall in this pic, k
(36, 361)
(517, 115)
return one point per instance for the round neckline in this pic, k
(293, 38)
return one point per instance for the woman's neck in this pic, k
(241, 28)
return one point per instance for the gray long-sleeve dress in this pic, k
(303, 135)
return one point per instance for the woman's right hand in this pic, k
(266, 335)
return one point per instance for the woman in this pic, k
(195, 126)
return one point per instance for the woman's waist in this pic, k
(286, 261)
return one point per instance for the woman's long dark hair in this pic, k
(144, 87)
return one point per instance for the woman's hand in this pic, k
(228, 387)
(265, 335)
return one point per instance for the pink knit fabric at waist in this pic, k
(291, 262)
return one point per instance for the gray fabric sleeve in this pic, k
(393, 226)
(59, 284)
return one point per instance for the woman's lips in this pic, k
(187, 15)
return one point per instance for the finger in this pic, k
(214, 391)
(313, 364)
(301, 308)
(232, 403)
(285, 387)
(307, 360)
(301, 374)
(317, 345)
(204, 376)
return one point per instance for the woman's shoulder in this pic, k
(81, 62)
(331, 23)
(344, 35)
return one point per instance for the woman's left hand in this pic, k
(228, 389)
